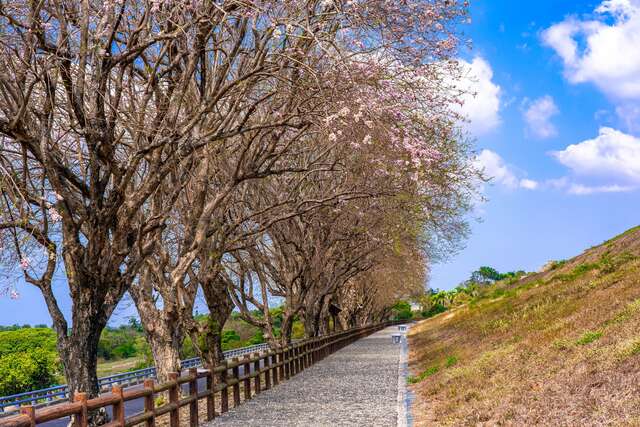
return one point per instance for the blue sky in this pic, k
(567, 76)
(557, 124)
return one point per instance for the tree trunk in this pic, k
(166, 356)
(286, 329)
(162, 328)
(78, 349)
(316, 317)
(312, 320)
(207, 338)
(346, 320)
(324, 317)
(79, 361)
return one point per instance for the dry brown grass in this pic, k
(560, 347)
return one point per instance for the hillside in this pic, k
(559, 347)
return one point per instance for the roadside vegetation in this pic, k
(29, 359)
(556, 347)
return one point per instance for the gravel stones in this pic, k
(356, 386)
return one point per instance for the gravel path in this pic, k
(357, 386)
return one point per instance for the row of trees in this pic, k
(246, 153)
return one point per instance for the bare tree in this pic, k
(117, 117)
(101, 102)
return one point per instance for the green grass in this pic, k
(427, 373)
(577, 272)
(589, 337)
(118, 366)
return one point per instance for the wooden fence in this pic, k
(261, 371)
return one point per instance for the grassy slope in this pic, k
(560, 347)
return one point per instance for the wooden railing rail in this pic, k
(260, 371)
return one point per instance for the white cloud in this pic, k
(612, 154)
(494, 167)
(609, 162)
(529, 184)
(580, 189)
(538, 117)
(603, 51)
(482, 102)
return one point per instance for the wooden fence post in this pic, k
(211, 403)
(193, 393)
(287, 363)
(236, 386)
(281, 375)
(149, 402)
(31, 413)
(275, 370)
(118, 407)
(247, 381)
(292, 361)
(224, 393)
(307, 347)
(267, 371)
(256, 370)
(174, 397)
(82, 418)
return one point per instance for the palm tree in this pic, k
(440, 298)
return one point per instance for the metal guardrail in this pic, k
(60, 393)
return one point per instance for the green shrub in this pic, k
(297, 330)
(27, 339)
(230, 339)
(27, 370)
(557, 264)
(402, 311)
(258, 338)
(121, 343)
(188, 350)
(433, 310)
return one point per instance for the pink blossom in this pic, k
(55, 216)
(25, 263)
